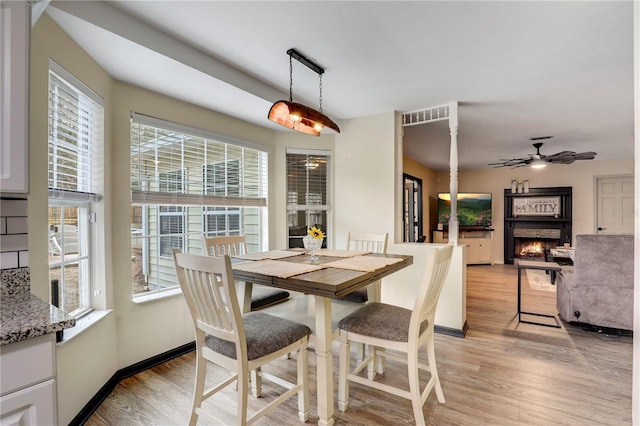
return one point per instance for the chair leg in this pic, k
(371, 366)
(198, 390)
(243, 396)
(414, 388)
(360, 352)
(256, 383)
(303, 378)
(343, 371)
(431, 357)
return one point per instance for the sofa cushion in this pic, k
(598, 290)
(604, 260)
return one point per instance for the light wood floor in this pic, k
(501, 373)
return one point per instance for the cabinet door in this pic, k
(473, 255)
(34, 405)
(478, 250)
(14, 90)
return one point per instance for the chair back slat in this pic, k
(234, 245)
(207, 285)
(375, 243)
(433, 280)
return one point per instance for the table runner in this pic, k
(271, 254)
(362, 263)
(276, 268)
(340, 253)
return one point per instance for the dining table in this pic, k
(330, 274)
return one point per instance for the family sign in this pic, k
(536, 206)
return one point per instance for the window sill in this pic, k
(83, 324)
(150, 297)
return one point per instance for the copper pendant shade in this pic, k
(297, 116)
(300, 117)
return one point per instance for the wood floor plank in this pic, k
(501, 373)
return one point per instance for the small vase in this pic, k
(312, 244)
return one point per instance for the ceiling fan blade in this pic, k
(586, 155)
(562, 157)
(516, 162)
(562, 154)
(563, 160)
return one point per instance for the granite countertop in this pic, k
(24, 315)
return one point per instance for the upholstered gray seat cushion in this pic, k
(358, 296)
(265, 334)
(262, 296)
(380, 320)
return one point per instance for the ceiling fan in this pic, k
(538, 160)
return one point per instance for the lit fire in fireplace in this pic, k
(532, 249)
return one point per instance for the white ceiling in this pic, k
(518, 69)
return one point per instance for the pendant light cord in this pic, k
(291, 82)
(290, 79)
(320, 93)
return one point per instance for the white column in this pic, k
(399, 140)
(453, 166)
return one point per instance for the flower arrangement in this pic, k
(316, 233)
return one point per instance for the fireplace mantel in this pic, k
(536, 211)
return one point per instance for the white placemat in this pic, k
(340, 253)
(271, 254)
(276, 268)
(363, 263)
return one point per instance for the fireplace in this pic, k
(535, 244)
(542, 224)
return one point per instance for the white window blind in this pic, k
(308, 193)
(217, 170)
(76, 138)
(308, 179)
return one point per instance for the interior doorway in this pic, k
(615, 204)
(412, 209)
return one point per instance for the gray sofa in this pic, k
(598, 288)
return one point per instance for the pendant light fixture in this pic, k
(297, 116)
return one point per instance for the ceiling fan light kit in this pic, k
(297, 116)
(538, 161)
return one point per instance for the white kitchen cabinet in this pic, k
(27, 382)
(15, 28)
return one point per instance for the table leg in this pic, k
(519, 291)
(324, 360)
(245, 292)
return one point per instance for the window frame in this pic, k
(209, 162)
(76, 179)
(314, 212)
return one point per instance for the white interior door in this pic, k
(615, 205)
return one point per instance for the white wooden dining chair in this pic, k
(232, 245)
(236, 342)
(375, 243)
(255, 296)
(385, 328)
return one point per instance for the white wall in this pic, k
(368, 185)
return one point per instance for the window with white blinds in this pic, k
(75, 180)
(76, 138)
(187, 183)
(218, 171)
(308, 193)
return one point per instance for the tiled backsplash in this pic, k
(14, 245)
